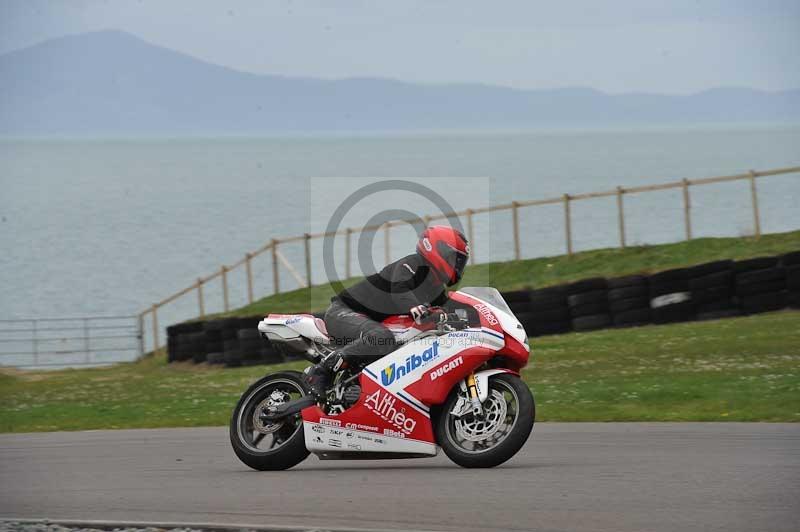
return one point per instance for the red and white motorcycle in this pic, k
(453, 385)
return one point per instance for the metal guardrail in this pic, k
(566, 200)
(68, 342)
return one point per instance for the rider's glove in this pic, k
(436, 315)
(419, 313)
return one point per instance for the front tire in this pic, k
(268, 446)
(509, 410)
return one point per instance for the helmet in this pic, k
(446, 251)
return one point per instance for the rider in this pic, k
(410, 285)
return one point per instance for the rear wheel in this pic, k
(264, 445)
(490, 440)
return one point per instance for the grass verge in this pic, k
(743, 369)
(554, 270)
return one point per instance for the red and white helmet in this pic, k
(446, 250)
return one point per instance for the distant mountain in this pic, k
(112, 83)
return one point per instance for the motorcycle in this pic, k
(453, 384)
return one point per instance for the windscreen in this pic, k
(489, 295)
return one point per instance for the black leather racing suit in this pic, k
(355, 315)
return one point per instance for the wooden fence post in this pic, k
(621, 216)
(307, 248)
(347, 272)
(515, 220)
(754, 197)
(471, 237)
(276, 282)
(35, 342)
(387, 244)
(200, 298)
(155, 328)
(568, 224)
(687, 206)
(249, 269)
(86, 345)
(141, 334)
(224, 271)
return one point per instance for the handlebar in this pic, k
(452, 322)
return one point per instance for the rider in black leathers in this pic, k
(410, 285)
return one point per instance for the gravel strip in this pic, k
(11, 526)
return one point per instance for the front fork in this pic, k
(471, 403)
(472, 389)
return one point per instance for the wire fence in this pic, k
(67, 342)
(302, 276)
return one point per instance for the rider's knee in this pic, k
(382, 341)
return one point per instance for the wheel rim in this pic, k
(265, 437)
(501, 411)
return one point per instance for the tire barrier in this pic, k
(588, 304)
(629, 301)
(714, 290)
(543, 311)
(230, 341)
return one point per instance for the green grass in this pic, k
(554, 270)
(743, 369)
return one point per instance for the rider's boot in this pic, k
(318, 377)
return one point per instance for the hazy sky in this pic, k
(675, 46)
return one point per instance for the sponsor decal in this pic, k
(380, 441)
(670, 299)
(335, 443)
(355, 446)
(350, 434)
(446, 368)
(336, 432)
(393, 433)
(383, 404)
(365, 438)
(394, 372)
(317, 428)
(293, 320)
(331, 422)
(427, 244)
(486, 312)
(317, 439)
(359, 426)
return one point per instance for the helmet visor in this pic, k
(455, 258)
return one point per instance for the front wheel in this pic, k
(490, 440)
(261, 444)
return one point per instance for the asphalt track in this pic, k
(581, 476)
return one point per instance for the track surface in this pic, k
(581, 476)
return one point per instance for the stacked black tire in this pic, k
(761, 285)
(184, 340)
(543, 311)
(588, 304)
(712, 289)
(230, 341)
(670, 299)
(791, 263)
(629, 301)
(215, 348)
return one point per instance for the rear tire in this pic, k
(247, 432)
(519, 419)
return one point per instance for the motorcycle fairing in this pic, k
(392, 414)
(379, 422)
(289, 326)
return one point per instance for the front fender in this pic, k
(482, 381)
